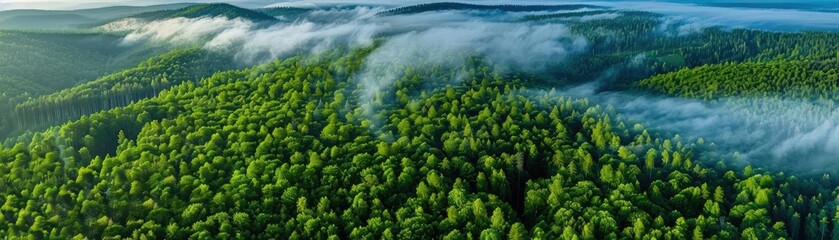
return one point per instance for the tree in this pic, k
(697, 233)
(649, 162)
(638, 228)
(498, 221)
(587, 161)
(490, 234)
(588, 231)
(517, 232)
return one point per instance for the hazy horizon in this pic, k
(87, 4)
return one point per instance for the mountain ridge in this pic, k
(74, 19)
(207, 10)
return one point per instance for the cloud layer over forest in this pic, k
(760, 129)
(775, 131)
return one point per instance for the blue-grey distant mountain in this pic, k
(811, 5)
(74, 19)
(440, 6)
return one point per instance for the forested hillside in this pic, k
(575, 14)
(442, 6)
(120, 89)
(206, 10)
(647, 48)
(48, 77)
(279, 150)
(802, 79)
(285, 13)
(34, 63)
(73, 19)
(429, 121)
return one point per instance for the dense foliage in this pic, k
(120, 89)
(286, 150)
(648, 47)
(35, 63)
(804, 79)
(305, 148)
(207, 10)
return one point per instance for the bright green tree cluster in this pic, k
(807, 79)
(287, 151)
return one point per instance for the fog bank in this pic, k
(773, 131)
(798, 135)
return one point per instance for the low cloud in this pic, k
(699, 16)
(783, 132)
(437, 38)
(523, 46)
(179, 31)
(798, 135)
(255, 42)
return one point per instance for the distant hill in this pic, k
(285, 13)
(36, 63)
(593, 13)
(33, 64)
(119, 89)
(207, 10)
(441, 6)
(74, 19)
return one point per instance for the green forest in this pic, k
(100, 139)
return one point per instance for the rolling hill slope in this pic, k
(74, 19)
(36, 63)
(422, 133)
(443, 6)
(119, 89)
(207, 10)
(803, 79)
(287, 143)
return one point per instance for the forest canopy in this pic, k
(437, 120)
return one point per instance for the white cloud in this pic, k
(766, 130)
(762, 129)
(766, 19)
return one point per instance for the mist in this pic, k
(437, 38)
(703, 16)
(771, 131)
(324, 28)
(793, 134)
(487, 33)
(525, 47)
